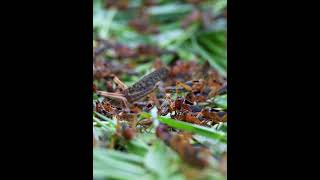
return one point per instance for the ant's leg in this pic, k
(185, 86)
(115, 96)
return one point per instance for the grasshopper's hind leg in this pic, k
(115, 96)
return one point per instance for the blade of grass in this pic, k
(109, 163)
(138, 147)
(120, 155)
(206, 56)
(193, 128)
(111, 14)
(177, 39)
(105, 118)
(169, 9)
(112, 127)
(159, 161)
(114, 174)
(221, 101)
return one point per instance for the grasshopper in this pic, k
(140, 89)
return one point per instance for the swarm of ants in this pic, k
(182, 90)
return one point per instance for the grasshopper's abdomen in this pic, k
(150, 80)
(146, 85)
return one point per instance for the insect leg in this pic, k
(115, 96)
(185, 86)
(118, 82)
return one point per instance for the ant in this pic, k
(197, 157)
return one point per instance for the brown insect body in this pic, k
(128, 132)
(140, 89)
(197, 157)
(214, 115)
(146, 85)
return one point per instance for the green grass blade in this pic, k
(193, 128)
(102, 161)
(121, 156)
(105, 118)
(137, 147)
(101, 124)
(169, 9)
(221, 101)
(206, 56)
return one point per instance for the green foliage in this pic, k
(221, 101)
(206, 44)
(193, 128)
(159, 163)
